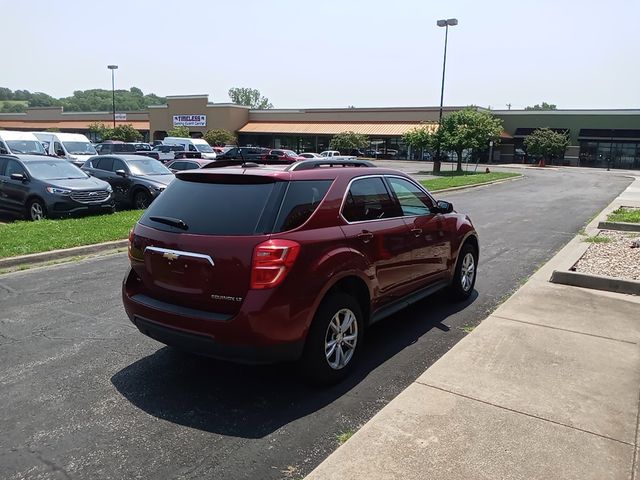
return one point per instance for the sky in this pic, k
(332, 53)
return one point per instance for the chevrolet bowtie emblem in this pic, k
(170, 256)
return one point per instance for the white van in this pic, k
(74, 147)
(20, 142)
(192, 145)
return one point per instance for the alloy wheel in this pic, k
(341, 339)
(467, 272)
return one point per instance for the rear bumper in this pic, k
(255, 336)
(207, 346)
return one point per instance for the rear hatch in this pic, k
(194, 244)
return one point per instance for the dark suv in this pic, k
(266, 264)
(40, 187)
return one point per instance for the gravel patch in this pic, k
(615, 258)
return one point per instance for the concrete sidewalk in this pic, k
(547, 387)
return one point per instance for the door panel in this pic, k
(430, 244)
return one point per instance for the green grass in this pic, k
(630, 215)
(597, 239)
(22, 237)
(467, 328)
(343, 437)
(455, 179)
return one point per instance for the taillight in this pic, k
(134, 252)
(272, 260)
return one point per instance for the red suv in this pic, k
(264, 264)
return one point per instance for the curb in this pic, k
(464, 187)
(61, 254)
(595, 282)
(622, 226)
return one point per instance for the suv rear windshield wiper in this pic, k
(173, 222)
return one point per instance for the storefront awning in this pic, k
(36, 126)
(332, 128)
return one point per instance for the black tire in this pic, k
(141, 200)
(315, 362)
(460, 288)
(36, 210)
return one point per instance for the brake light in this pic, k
(272, 261)
(131, 249)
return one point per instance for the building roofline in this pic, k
(187, 97)
(586, 111)
(359, 109)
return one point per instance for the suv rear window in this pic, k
(236, 208)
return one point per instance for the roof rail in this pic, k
(311, 164)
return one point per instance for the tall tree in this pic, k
(468, 128)
(421, 137)
(543, 106)
(219, 137)
(546, 143)
(249, 97)
(348, 141)
(182, 132)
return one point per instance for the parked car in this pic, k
(142, 146)
(284, 156)
(310, 155)
(330, 153)
(192, 145)
(73, 147)
(114, 146)
(264, 264)
(167, 152)
(38, 187)
(136, 181)
(20, 143)
(248, 154)
(187, 164)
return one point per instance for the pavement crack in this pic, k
(566, 330)
(8, 289)
(50, 463)
(530, 415)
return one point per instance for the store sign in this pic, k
(121, 116)
(189, 120)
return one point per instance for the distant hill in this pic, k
(95, 100)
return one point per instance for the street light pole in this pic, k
(443, 23)
(113, 91)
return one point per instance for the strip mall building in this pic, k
(595, 135)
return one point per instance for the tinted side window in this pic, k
(412, 200)
(177, 165)
(13, 167)
(104, 164)
(368, 199)
(3, 148)
(190, 166)
(192, 148)
(300, 201)
(3, 163)
(118, 165)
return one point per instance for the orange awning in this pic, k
(39, 125)
(332, 128)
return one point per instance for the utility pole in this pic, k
(509, 106)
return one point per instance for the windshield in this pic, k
(79, 148)
(148, 167)
(204, 148)
(54, 170)
(26, 146)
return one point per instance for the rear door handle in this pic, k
(365, 236)
(416, 231)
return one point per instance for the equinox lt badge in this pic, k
(224, 297)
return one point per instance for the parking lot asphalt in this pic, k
(84, 395)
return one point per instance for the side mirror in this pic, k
(121, 173)
(18, 176)
(444, 207)
(60, 153)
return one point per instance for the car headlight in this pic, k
(157, 189)
(58, 191)
(109, 189)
